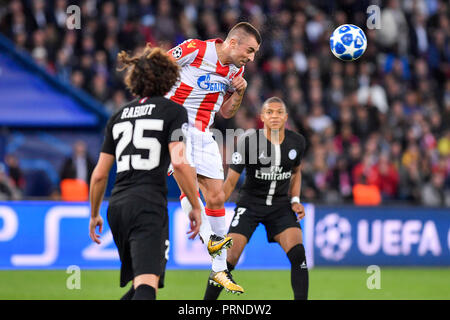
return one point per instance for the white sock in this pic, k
(219, 227)
(205, 227)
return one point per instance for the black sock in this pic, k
(145, 292)
(299, 272)
(129, 294)
(212, 292)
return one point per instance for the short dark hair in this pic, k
(274, 100)
(247, 28)
(149, 74)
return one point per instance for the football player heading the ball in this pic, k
(211, 81)
(270, 194)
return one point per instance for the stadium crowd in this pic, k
(383, 120)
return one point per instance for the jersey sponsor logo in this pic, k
(204, 82)
(273, 173)
(177, 52)
(292, 154)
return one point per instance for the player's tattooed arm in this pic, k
(232, 104)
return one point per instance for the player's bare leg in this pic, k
(145, 286)
(234, 253)
(212, 190)
(291, 240)
(215, 211)
(215, 244)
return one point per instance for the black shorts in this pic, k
(141, 234)
(276, 219)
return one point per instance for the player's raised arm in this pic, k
(99, 179)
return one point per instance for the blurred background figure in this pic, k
(8, 190)
(79, 166)
(399, 90)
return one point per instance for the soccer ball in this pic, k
(348, 42)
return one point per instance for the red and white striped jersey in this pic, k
(203, 82)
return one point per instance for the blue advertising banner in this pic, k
(391, 236)
(54, 235)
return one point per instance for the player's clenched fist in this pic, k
(240, 84)
(299, 210)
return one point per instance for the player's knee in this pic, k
(297, 256)
(216, 200)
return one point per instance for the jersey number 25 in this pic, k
(140, 142)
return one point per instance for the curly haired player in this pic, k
(143, 137)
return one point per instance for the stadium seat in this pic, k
(366, 195)
(74, 190)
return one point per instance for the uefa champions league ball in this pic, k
(348, 42)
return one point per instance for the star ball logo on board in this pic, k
(333, 236)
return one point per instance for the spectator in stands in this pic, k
(318, 121)
(14, 171)
(8, 191)
(340, 181)
(399, 89)
(388, 177)
(117, 101)
(80, 165)
(434, 194)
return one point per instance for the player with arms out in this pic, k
(211, 81)
(270, 194)
(143, 137)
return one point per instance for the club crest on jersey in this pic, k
(177, 52)
(292, 154)
(236, 158)
(184, 128)
(191, 44)
(204, 82)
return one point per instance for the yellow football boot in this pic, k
(224, 279)
(216, 244)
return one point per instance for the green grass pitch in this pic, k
(325, 283)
